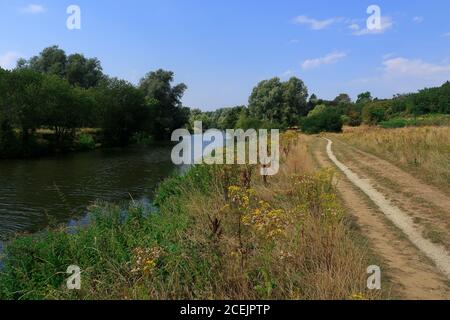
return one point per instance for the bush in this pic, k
(85, 142)
(394, 123)
(9, 142)
(375, 112)
(426, 120)
(328, 120)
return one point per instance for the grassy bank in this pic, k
(216, 233)
(424, 151)
(420, 121)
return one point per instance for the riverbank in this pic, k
(36, 194)
(215, 233)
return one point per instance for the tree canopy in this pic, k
(279, 102)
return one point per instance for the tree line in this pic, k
(277, 104)
(63, 93)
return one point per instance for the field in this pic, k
(425, 151)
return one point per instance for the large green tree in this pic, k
(279, 102)
(75, 68)
(164, 99)
(122, 111)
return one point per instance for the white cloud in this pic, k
(294, 41)
(9, 59)
(32, 9)
(354, 27)
(418, 19)
(286, 74)
(386, 24)
(446, 34)
(399, 67)
(316, 24)
(328, 59)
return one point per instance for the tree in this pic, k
(123, 111)
(295, 101)
(65, 110)
(25, 101)
(364, 97)
(375, 112)
(324, 119)
(166, 107)
(83, 72)
(51, 60)
(278, 102)
(77, 69)
(342, 99)
(229, 117)
(9, 145)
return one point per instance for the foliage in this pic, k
(75, 68)
(426, 120)
(165, 102)
(279, 102)
(122, 110)
(66, 93)
(375, 112)
(325, 119)
(85, 142)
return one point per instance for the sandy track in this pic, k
(411, 274)
(403, 221)
(407, 182)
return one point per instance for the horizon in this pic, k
(222, 50)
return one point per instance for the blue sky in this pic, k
(222, 48)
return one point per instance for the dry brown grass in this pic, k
(425, 151)
(314, 257)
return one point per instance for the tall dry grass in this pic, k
(313, 256)
(425, 151)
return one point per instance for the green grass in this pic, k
(426, 120)
(34, 266)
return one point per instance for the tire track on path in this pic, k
(401, 220)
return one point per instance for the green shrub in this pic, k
(425, 120)
(394, 123)
(85, 142)
(328, 120)
(375, 112)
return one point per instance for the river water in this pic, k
(36, 193)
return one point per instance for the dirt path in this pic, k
(406, 182)
(428, 206)
(413, 275)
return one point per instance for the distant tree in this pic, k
(266, 100)
(325, 119)
(51, 60)
(376, 112)
(77, 69)
(318, 110)
(312, 103)
(364, 97)
(123, 111)
(83, 72)
(25, 102)
(229, 117)
(295, 97)
(342, 99)
(278, 102)
(166, 108)
(66, 109)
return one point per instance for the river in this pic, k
(39, 192)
